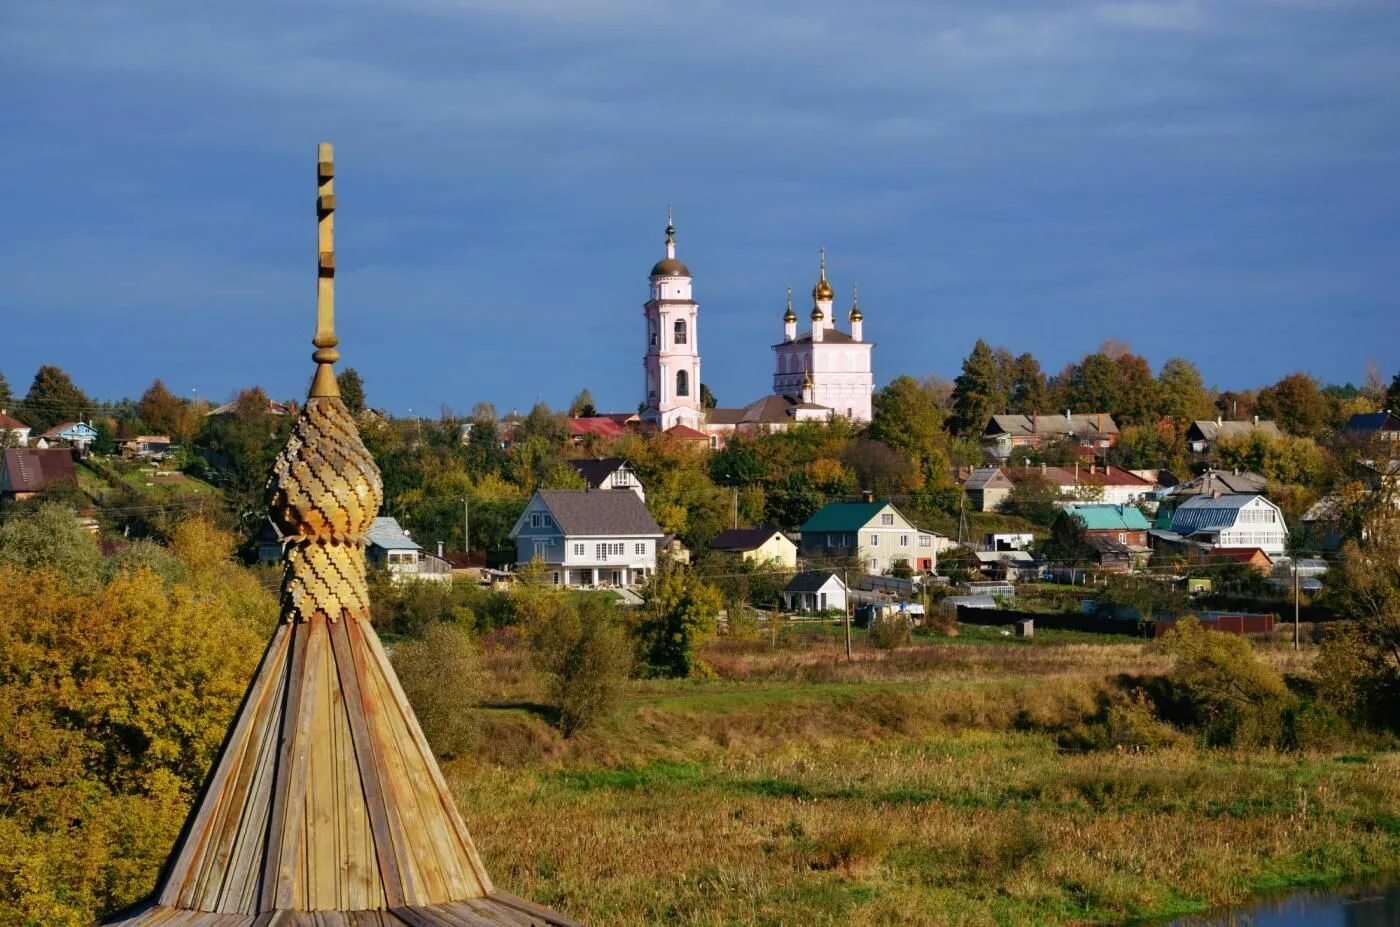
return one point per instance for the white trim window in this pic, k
(887, 518)
(640, 548)
(578, 550)
(874, 540)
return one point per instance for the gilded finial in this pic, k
(856, 315)
(822, 292)
(670, 226)
(325, 341)
(789, 316)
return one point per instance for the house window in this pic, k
(874, 540)
(830, 541)
(682, 383)
(925, 540)
(578, 550)
(556, 579)
(904, 540)
(541, 549)
(536, 519)
(887, 519)
(640, 549)
(680, 331)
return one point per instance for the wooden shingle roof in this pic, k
(326, 807)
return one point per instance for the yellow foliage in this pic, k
(114, 700)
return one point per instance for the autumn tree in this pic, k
(1296, 402)
(907, 419)
(352, 389)
(1182, 394)
(583, 405)
(677, 616)
(160, 409)
(54, 399)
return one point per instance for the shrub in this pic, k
(587, 659)
(440, 673)
(677, 616)
(889, 630)
(1223, 690)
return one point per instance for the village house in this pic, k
(815, 591)
(388, 547)
(1237, 520)
(1202, 435)
(987, 488)
(77, 435)
(1093, 483)
(1125, 524)
(26, 472)
(597, 426)
(146, 447)
(1368, 426)
(13, 432)
(877, 533)
(1004, 434)
(761, 545)
(609, 473)
(587, 538)
(1253, 557)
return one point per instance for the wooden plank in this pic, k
(367, 764)
(196, 833)
(534, 910)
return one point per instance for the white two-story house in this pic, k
(877, 531)
(1236, 520)
(588, 537)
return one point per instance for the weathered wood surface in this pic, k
(326, 807)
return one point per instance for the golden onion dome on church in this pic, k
(822, 291)
(856, 315)
(789, 316)
(670, 265)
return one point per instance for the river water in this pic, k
(1360, 907)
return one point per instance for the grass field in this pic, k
(927, 786)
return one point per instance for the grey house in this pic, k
(588, 537)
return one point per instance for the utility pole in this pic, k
(847, 610)
(736, 506)
(466, 524)
(1295, 604)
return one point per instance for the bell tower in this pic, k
(672, 358)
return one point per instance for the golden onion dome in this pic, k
(856, 315)
(822, 292)
(817, 314)
(789, 316)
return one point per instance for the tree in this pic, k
(677, 616)
(160, 409)
(6, 395)
(1068, 542)
(1182, 394)
(442, 677)
(1033, 498)
(1225, 691)
(1092, 385)
(582, 650)
(1136, 402)
(1392, 395)
(352, 389)
(53, 399)
(1359, 669)
(1029, 392)
(907, 419)
(707, 398)
(1297, 404)
(582, 406)
(979, 392)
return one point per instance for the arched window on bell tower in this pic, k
(652, 326)
(680, 331)
(682, 380)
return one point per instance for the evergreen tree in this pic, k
(352, 389)
(707, 398)
(1392, 395)
(979, 392)
(160, 409)
(6, 396)
(1029, 393)
(1092, 384)
(53, 399)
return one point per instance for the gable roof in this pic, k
(1024, 426)
(32, 469)
(829, 336)
(1212, 481)
(983, 477)
(10, 423)
(595, 470)
(812, 581)
(773, 409)
(1374, 421)
(600, 425)
(1093, 476)
(387, 533)
(1213, 513)
(582, 512)
(1110, 517)
(57, 431)
(685, 432)
(843, 516)
(1215, 430)
(1239, 554)
(743, 538)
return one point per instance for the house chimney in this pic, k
(867, 496)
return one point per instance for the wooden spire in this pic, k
(326, 807)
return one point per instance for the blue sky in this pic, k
(1215, 180)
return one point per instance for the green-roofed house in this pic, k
(1122, 523)
(877, 532)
